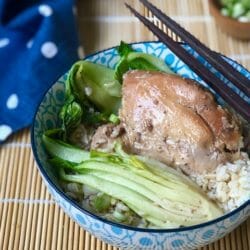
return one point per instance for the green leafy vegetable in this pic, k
(95, 83)
(62, 150)
(93, 91)
(124, 49)
(92, 95)
(130, 59)
(161, 196)
(238, 9)
(102, 203)
(71, 114)
(114, 119)
(119, 216)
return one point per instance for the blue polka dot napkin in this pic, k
(38, 43)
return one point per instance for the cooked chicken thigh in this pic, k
(176, 121)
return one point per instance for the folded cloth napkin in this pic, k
(38, 43)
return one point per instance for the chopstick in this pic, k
(211, 57)
(238, 103)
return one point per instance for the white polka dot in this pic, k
(29, 44)
(5, 131)
(4, 42)
(45, 10)
(80, 52)
(74, 10)
(49, 49)
(12, 101)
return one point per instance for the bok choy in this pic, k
(92, 95)
(93, 91)
(162, 196)
(131, 59)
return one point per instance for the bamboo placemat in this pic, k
(29, 218)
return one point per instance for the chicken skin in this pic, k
(176, 121)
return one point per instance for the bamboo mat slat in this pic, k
(29, 218)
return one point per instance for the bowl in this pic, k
(233, 27)
(119, 235)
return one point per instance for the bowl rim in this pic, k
(97, 217)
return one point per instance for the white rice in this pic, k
(229, 184)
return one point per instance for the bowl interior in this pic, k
(47, 113)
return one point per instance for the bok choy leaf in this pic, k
(162, 197)
(131, 59)
(93, 91)
(92, 95)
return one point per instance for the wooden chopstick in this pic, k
(213, 58)
(240, 105)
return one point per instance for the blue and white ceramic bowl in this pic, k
(115, 234)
